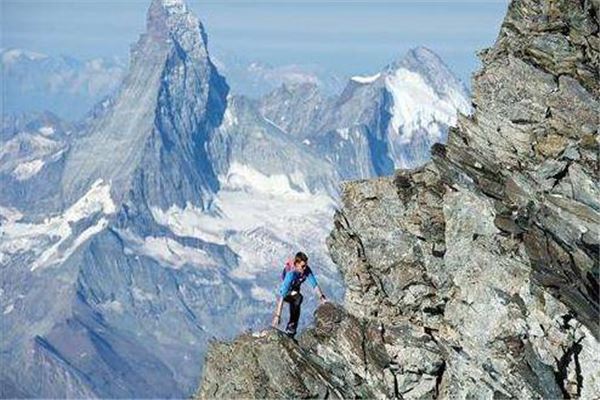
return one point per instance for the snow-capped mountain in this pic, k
(64, 85)
(129, 241)
(32, 150)
(378, 123)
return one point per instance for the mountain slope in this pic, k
(476, 275)
(378, 123)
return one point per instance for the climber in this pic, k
(293, 276)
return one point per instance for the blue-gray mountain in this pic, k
(378, 123)
(67, 86)
(129, 240)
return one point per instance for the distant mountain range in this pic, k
(160, 220)
(66, 86)
(69, 87)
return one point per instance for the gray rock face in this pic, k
(475, 276)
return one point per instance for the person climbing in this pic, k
(294, 276)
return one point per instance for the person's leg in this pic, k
(295, 303)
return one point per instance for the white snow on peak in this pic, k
(47, 130)
(54, 240)
(417, 105)
(175, 6)
(8, 309)
(28, 169)
(364, 80)
(97, 199)
(12, 55)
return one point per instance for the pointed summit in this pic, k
(151, 143)
(165, 16)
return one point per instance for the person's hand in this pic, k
(323, 299)
(276, 321)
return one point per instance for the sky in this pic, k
(347, 37)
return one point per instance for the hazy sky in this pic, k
(347, 37)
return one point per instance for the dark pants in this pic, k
(295, 301)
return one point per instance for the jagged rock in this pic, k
(269, 364)
(476, 276)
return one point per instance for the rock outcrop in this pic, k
(475, 276)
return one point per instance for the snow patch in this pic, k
(27, 170)
(344, 133)
(168, 252)
(191, 221)
(8, 309)
(54, 255)
(364, 80)
(244, 177)
(174, 6)
(141, 295)
(9, 215)
(47, 130)
(115, 306)
(58, 230)
(229, 119)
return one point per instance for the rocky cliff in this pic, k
(475, 276)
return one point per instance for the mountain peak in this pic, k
(166, 17)
(417, 59)
(170, 101)
(171, 7)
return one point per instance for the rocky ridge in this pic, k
(475, 276)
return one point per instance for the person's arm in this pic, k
(283, 291)
(313, 282)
